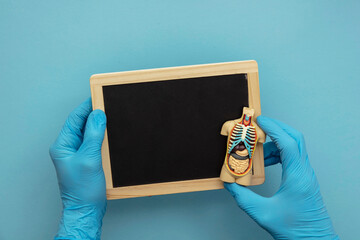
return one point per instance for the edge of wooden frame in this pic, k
(258, 176)
(97, 81)
(147, 190)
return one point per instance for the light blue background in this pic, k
(308, 54)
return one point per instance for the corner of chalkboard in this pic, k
(255, 62)
(94, 78)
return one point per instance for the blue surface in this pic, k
(308, 56)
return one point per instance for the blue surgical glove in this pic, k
(76, 155)
(297, 210)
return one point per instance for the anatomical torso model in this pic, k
(243, 135)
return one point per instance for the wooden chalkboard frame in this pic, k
(97, 81)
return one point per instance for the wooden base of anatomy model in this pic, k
(243, 135)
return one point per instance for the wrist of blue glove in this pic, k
(297, 209)
(76, 155)
(83, 222)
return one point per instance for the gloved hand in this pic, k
(296, 210)
(76, 155)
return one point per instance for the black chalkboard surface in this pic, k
(168, 131)
(163, 126)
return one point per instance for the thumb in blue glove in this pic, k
(76, 155)
(297, 209)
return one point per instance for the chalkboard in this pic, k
(170, 130)
(163, 125)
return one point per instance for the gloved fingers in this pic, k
(287, 146)
(94, 132)
(295, 134)
(271, 154)
(244, 197)
(71, 134)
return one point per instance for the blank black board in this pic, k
(168, 131)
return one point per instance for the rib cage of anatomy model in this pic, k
(245, 134)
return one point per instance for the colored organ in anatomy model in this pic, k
(243, 135)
